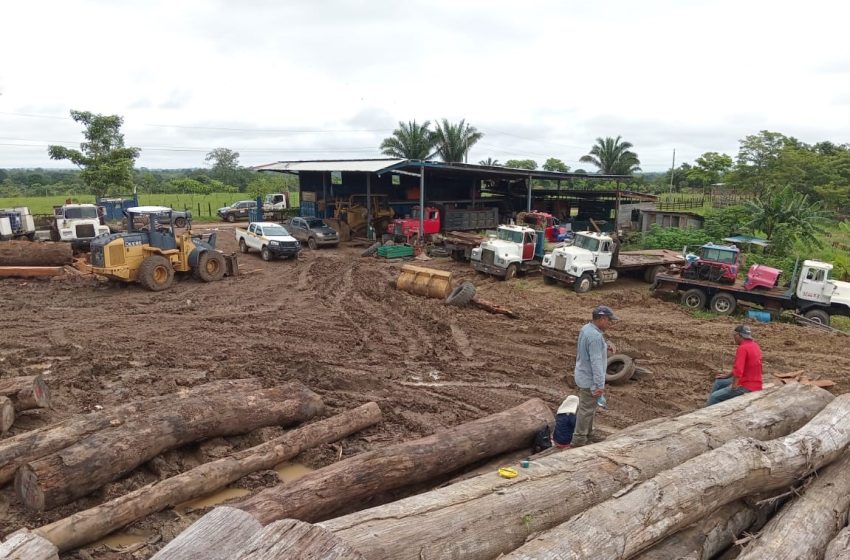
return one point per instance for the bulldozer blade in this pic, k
(423, 281)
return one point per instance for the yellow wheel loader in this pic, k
(150, 252)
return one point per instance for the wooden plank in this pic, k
(819, 382)
(30, 271)
(789, 375)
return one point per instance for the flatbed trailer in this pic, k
(650, 262)
(460, 244)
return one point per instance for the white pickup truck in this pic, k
(270, 239)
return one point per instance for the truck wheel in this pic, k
(156, 273)
(818, 316)
(180, 222)
(230, 218)
(583, 284)
(620, 369)
(312, 244)
(694, 299)
(373, 248)
(243, 247)
(651, 272)
(461, 295)
(211, 266)
(548, 280)
(723, 303)
(510, 272)
(265, 254)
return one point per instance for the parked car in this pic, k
(313, 231)
(237, 210)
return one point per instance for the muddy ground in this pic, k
(331, 320)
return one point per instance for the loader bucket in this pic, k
(423, 281)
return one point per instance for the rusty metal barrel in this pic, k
(423, 281)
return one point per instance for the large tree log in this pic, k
(403, 464)
(87, 465)
(459, 521)
(89, 525)
(23, 545)
(27, 253)
(839, 547)
(26, 392)
(7, 414)
(804, 527)
(290, 538)
(20, 449)
(649, 512)
(224, 531)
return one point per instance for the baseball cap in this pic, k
(604, 311)
(744, 331)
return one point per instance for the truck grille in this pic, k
(116, 254)
(560, 262)
(84, 231)
(487, 256)
(290, 244)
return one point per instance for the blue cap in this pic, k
(604, 311)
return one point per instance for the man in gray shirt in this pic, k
(591, 363)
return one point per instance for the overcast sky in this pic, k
(278, 80)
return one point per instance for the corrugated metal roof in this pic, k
(367, 165)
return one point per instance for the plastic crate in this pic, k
(395, 251)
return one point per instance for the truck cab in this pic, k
(587, 262)
(408, 228)
(15, 223)
(514, 249)
(77, 224)
(816, 286)
(715, 263)
(276, 201)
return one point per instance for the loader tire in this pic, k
(211, 266)
(620, 369)
(371, 250)
(156, 273)
(461, 295)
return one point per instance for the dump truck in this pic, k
(513, 250)
(594, 259)
(811, 293)
(152, 253)
(16, 223)
(438, 219)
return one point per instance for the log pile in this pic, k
(21, 393)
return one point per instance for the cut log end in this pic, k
(35, 396)
(27, 489)
(7, 414)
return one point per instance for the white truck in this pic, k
(15, 223)
(77, 224)
(514, 249)
(276, 201)
(270, 239)
(594, 259)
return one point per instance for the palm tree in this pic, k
(489, 162)
(785, 215)
(454, 140)
(612, 157)
(409, 141)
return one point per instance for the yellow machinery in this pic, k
(353, 212)
(151, 253)
(423, 281)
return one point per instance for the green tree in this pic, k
(710, 168)
(554, 164)
(409, 141)
(453, 141)
(490, 162)
(105, 162)
(225, 165)
(529, 164)
(784, 216)
(612, 156)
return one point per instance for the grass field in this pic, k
(200, 205)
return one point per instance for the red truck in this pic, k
(437, 220)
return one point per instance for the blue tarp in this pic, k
(747, 239)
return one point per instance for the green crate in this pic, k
(395, 251)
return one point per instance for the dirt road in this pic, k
(331, 320)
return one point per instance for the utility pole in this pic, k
(672, 170)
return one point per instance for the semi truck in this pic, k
(513, 250)
(77, 224)
(16, 223)
(810, 293)
(594, 259)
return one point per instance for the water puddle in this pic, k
(121, 540)
(288, 472)
(212, 499)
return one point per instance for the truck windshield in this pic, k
(275, 230)
(720, 255)
(585, 242)
(315, 223)
(509, 235)
(85, 213)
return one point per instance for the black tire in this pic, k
(230, 218)
(620, 369)
(651, 272)
(723, 303)
(548, 280)
(211, 266)
(818, 316)
(180, 222)
(583, 284)
(373, 248)
(694, 299)
(510, 272)
(461, 295)
(265, 254)
(312, 243)
(156, 273)
(243, 247)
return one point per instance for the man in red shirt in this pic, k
(746, 374)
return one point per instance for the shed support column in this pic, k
(421, 237)
(369, 206)
(528, 205)
(617, 211)
(324, 195)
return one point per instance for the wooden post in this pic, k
(629, 523)
(459, 521)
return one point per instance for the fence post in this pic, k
(209, 209)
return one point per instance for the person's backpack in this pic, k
(542, 439)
